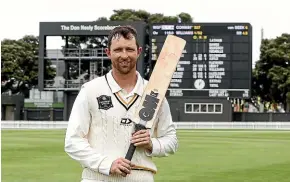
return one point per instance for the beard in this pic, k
(124, 67)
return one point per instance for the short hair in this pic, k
(125, 31)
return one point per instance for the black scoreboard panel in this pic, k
(216, 61)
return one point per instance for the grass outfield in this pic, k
(203, 156)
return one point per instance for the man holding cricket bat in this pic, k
(100, 127)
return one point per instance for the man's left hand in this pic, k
(142, 138)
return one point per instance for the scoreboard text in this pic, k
(216, 61)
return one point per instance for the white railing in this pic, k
(179, 125)
(234, 125)
(33, 124)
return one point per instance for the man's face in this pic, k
(123, 54)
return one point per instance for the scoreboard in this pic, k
(216, 61)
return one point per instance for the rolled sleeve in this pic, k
(105, 166)
(155, 148)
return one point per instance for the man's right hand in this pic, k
(121, 166)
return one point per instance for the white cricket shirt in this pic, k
(99, 128)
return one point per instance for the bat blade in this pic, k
(159, 81)
(157, 86)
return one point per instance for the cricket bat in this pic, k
(157, 86)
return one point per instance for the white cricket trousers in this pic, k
(135, 176)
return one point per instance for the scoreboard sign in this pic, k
(216, 61)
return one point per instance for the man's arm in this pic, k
(165, 142)
(76, 142)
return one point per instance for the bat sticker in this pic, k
(149, 106)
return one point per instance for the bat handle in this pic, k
(132, 147)
(130, 152)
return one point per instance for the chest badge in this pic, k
(105, 102)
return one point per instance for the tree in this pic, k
(271, 76)
(19, 62)
(141, 15)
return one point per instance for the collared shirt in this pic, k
(126, 99)
(99, 130)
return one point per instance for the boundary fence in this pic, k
(179, 125)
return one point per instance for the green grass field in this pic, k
(203, 156)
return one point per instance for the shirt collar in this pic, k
(138, 89)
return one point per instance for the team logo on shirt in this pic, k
(126, 122)
(105, 102)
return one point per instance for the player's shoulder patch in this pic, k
(105, 102)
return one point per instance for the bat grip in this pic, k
(132, 147)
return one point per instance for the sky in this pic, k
(19, 18)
